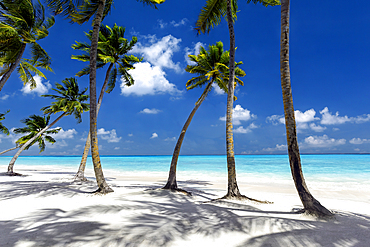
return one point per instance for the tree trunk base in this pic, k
(241, 197)
(79, 177)
(13, 174)
(317, 210)
(173, 187)
(103, 191)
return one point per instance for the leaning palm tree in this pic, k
(81, 12)
(112, 50)
(310, 204)
(212, 67)
(3, 129)
(22, 23)
(209, 17)
(34, 124)
(68, 101)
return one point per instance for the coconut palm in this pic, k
(212, 67)
(310, 204)
(3, 129)
(34, 124)
(209, 17)
(112, 50)
(68, 101)
(81, 12)
(22, 23)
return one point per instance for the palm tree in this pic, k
(3, 129)
(209, 17)
(80, 14)
(23, 22)
(34, 125)
(112, 50)
(310, 204)
(212, 67)
(69, 101)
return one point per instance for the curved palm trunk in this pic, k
(102, 184)
(10, 149)
(310, 204)
(171, 182)
(232, 186)
(15, 157)
(80, 176)
(12, 67)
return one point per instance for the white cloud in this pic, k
(276, 119)
(40, 87)
(358, 141)
(65, 134)
(150, 111)
(154, 135)
(116, 148)
(243, 130)
(323, 141)
(180, 23)
(148, 80)
(192, 51)
(240, 114)
(362, 119)
(130, 135)
(170, 139)
(217, 89)
(57, 144)
(4, 97)
(278, 147)
(317, 128)
(110, 136)
(160, 52)
(328, 118)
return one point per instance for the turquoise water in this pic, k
(316, 166)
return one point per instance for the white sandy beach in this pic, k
(45, 208)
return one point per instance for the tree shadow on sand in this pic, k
(160, 218)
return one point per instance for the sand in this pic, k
(46, 208)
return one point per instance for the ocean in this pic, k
(330, 167)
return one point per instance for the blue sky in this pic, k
(329, 59)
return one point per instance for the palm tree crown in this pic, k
(212, 65)
(70, 99)
(112, 49)
(3, 129)
(23, 22)
(35, 124)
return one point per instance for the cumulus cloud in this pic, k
(41, 88)
(154, 135)
(317, 128)
(65, 134)
(150, 111)
(358, 141)
(240, 114)
(192, 51)
(160, 52)
(328, 118)
(170, 139)
(278, 147)
(163, 24)
(109, 136)
(242, 130)
(323, 141)
(149, 80)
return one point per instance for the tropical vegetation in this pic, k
(112, 50)
(212, 67)
(22, 23)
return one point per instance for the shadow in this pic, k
(156, 217)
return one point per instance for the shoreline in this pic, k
(45, 208)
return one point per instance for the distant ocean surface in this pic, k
(330, 168)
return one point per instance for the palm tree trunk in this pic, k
(80, 176)
(232, 186)
(13, 66)
(171, 182)
(310, 204)
(10, 149)
(15, 157)
(102, 184)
